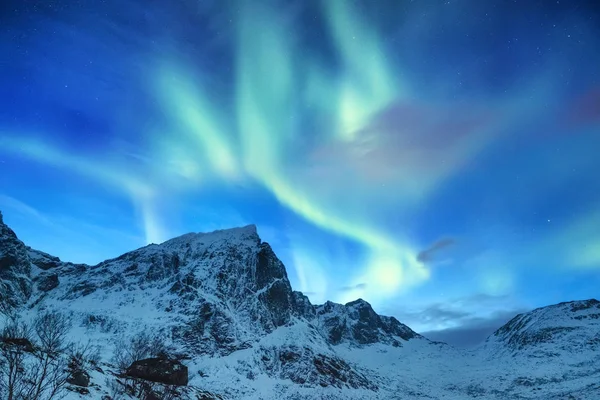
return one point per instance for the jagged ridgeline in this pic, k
(213, 315)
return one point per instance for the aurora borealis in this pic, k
(437, 158)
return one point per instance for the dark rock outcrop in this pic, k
(43, 260)
(357, 322)
(274, 286)
(302, 306)
(159, 370)
(584, 305)
(15, 268)
(79, 377)
(47, 282)
(204, 395)
(303, 366)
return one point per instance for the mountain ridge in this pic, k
(223, 299)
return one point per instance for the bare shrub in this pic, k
(33, 364)
(83, 356)
(15, 342)
(116, 389)
(141, 346)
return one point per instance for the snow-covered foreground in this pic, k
(225, 307)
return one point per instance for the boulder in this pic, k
(79, 377)
(160, 370)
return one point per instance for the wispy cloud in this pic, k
(467, 312)
(472, 330)
(8, 202)
(68, 237)
(358, 286)
(116, 176)
(427, 255)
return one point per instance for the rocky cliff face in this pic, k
(223, 302)
(15, 269)
(357, 323)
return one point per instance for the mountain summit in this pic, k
(225, 306)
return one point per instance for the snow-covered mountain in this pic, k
(225, 305)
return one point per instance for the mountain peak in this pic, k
(578, 305)
(242, 233)
(358, 302)
(562, 323)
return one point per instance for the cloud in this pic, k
(359, 286)
(428, 254)
(71, 238)
(23, 209)
(114, 175)
(473, 330)
(439, 314)
(408, 146)
(461, 321)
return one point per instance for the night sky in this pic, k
(440, 159)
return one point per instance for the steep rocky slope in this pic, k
(225, 305)
(15, 268)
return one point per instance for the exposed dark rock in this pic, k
(163, 266)
(302, 306)
(519, 340)
(366, 327)
(150, 394)
(79, 377)
(584, 305)
(43, 260)
(160, 370)
(277, 300)
(47, 282)
(83, 289)
(287, 356)
(268, 266)
(392, 326)
(15, 268)
(336, 372)
(133, 268)
(358, 323)
(274, 287)
(302, 366)
(203, 395)
(78, 389)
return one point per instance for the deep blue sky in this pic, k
(437, 158)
